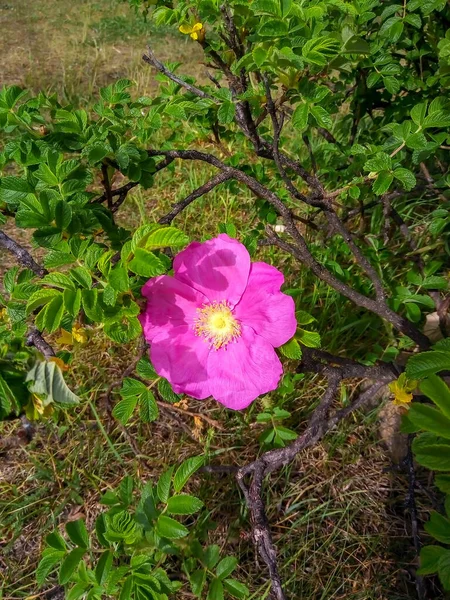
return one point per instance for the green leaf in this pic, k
(123, 410)
(132, 387)
(185, 471)
(215, 591)
(148, 409)
(311, 339)
(46, 176)
(103, 567)
(56, 541)
(429, 559)
(226, 566)
(437, 390)
(259, 55)
(291, 349)
(418, 113)
(439, 527)
(72, 301)
(82, 277)
(226, 112)
(381, 162)
(41, 297)
(406, 177)
(166, 392)
(211, 556)
(273, 28)
(439, 118)
(48, 379)
(118, 279)
(435, 456)
(236, 589)
(429, 419)
(382, 182)
(14, 189)
(123, 331)
(184, 504)
(63, 214)
(427, 363)
(163, 486)
(197, 580)
(47, 564)
(443, 482)
(444, 570)
(69, 565)
(52, 315)
(146, 264)
(299, 118)
(145, 369)
(321, 116)
(170, 529)
(77, 532)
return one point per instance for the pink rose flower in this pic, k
(213, 326)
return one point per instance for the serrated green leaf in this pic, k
(183, 504)
(170, 529)
(236, 589)
(77, 532)
(427, 363)
(226, 566)
(437, 390)
(299, 117)
(406, 177)
(123, 410)
(291, 349)
(185, 471)
(382, 182)
(146, 264)
(103, 567)
(69, 564)
(47, 564)
(164, 483)
(429, 419)
(429, 559)
(148, 409)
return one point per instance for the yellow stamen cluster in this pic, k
(217, 324)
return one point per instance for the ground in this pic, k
(338, 512)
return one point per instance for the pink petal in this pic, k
(170, 303)
(264, 308)
(180, 356)
(218, 268)
(243, 370)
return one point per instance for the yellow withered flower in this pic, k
(196, 31)
(402, 389)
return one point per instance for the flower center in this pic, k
(216, 323)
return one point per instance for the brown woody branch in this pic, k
(201, 191)
(22, 255)
(299, 249)
(319, 425)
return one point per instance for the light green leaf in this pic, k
(77, 532)
(123, 410)
(437, 390)
(226, 566)
(69, 564)
(148, 409)
(48, 380)
(185, 471)
(184, 504)
(291, 349)
(429, 419)
(164, 483)
(170, 529)
(427, 363)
